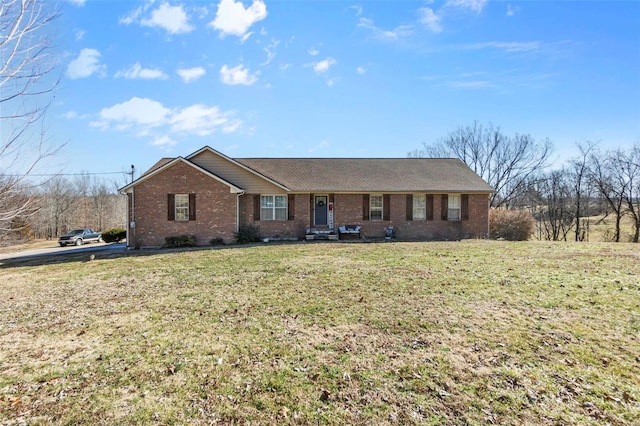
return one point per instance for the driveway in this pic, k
(55, 251)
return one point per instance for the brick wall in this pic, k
(216, 213)
(215, 208)
(348, 210)
(278, 228)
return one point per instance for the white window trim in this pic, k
(183, 209)
(418, 209)
(380, 209)
(454, 214)
(274, 208)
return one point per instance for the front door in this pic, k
(321, 209)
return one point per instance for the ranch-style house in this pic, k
(210, 196)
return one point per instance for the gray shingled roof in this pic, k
(369, 174)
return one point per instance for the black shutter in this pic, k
(192, 206)
(409, 207)
(444, 207)
(171, 207)
(365, 207)
(291, 206)
(429, 207)
(256, 207)
(465, 206)
(386, 207)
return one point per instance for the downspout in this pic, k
(238, 195)
(131, 222)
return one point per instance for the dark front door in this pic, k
(321, 209)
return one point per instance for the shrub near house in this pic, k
(210, 196)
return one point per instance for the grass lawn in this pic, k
(473, 332)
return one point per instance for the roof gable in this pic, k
(225, 167)
(164, 165)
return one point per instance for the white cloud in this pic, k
(361, 70)
(86, 64)
(136, 72)
(270, 51)
(232, 18)
(79, 34)
(323, 66)
(135, 14)
(163, 141)
(474, 5)
(237, 75)
(313, 51)
(430, 19)
(357, 8)
(397, 33)
(202, 120)
(78, 3)
(141, 113)
(191, 74)
(509, 47)
(173, 19)
(321, 146)
(70, 115)
(471, 84)
(144, 117)
(511, 10)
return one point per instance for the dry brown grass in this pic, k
(473, 332)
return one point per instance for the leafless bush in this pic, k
(512, 225)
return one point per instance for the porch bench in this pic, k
(320, 234)
(349, 231)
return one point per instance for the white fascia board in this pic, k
(232, 188)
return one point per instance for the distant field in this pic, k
(473, 332)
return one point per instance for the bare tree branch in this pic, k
(506, 163)
(27, 83)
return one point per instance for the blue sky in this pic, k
(145, 80)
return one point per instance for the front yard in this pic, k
(473, 332)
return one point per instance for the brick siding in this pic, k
(215, 208)
(216, 213)
(348, 211)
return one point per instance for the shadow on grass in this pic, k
(122, 252)
(88, 254)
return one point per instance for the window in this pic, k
(273, 207)
(420, 207)
(375, 207)
(454, 207)
(182, 206)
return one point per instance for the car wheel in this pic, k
(61, 245)
(79, 242)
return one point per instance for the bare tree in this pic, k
(603, 175)
(554, 211)
(505, 162)
(26, 88)
(626, 174)
(581, 189)
(59, 207)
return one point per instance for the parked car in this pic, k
(80, 236)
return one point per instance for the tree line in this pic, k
(61, 204)
(593, 185)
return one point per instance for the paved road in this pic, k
(54, 251)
